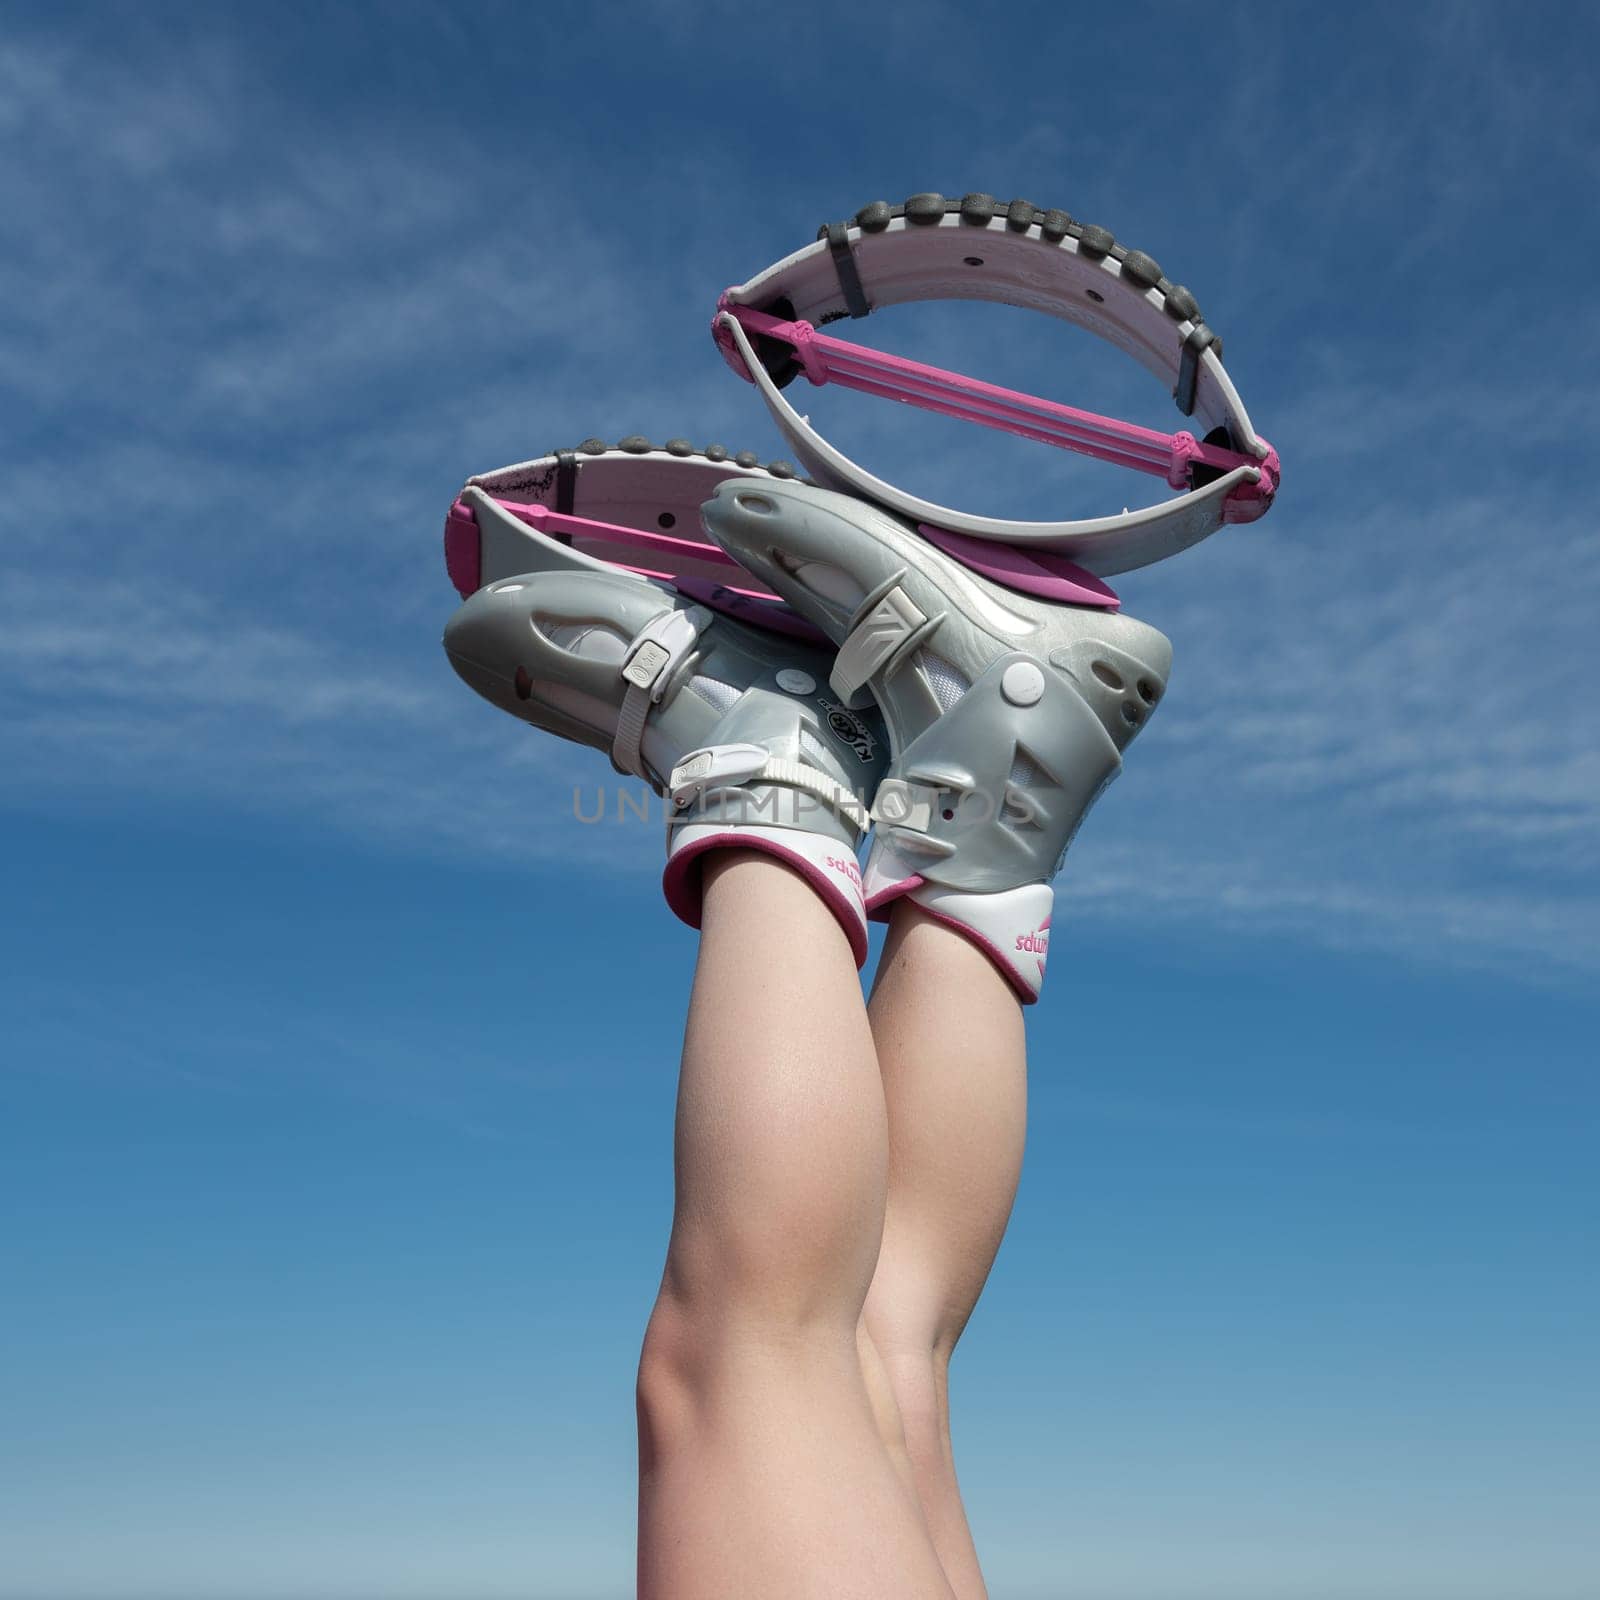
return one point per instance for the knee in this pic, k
(740, 1277)
(706, 1345)
(670, 1377)
(693, 1340)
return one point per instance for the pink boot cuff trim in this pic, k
(681, 882)
(1026, 995)
(880, 901)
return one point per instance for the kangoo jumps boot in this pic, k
(1007, 713)
(735, 723)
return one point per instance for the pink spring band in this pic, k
(463, 554)
(748, 602)
(1172, 456)
(1038, 572)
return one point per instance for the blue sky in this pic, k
(338, 1059)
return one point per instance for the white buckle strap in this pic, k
(735, 765)
(654, 655)
(888, 623)
(904, 805)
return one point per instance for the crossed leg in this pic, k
(949, 1038)
(763, 1472)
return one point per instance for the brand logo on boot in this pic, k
(1036, 943)
(846, 725)
(847, 869)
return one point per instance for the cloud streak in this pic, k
(251, 401)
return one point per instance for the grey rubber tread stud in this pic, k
(637, 445)
(1095, 241)
(1139, 267)
(1181, 305)
(1021, 216)
(1066, 269)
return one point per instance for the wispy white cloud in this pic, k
(1266, 890)
(254, 376)
(1439, 682)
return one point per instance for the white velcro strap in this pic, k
(876, 637)
(715, 764)
(797, 775)
(734, 765)
(653, 656)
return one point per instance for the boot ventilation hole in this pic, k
(1025, 773)
(1148, 691)
(720, 695)
(945, 678)
(1132, 713)
(1107, 674)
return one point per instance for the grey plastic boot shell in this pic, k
(987, 794)
(506, 642)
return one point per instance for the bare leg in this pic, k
(951, 1049)
(762, 1469)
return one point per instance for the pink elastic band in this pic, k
(1172, 456)
(1040, 572)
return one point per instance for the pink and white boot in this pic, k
(1007, 710)
(736, 724)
